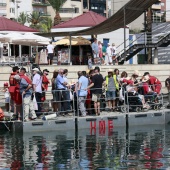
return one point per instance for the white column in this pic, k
(20, 53)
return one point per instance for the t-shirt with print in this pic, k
(97, 79)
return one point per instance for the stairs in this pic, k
(134, 49)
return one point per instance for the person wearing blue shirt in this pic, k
(62, 89)
(82, 93)
(95, 49)
(26, 91)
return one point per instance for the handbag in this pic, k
(35, 103)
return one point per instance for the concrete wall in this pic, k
(160, 71)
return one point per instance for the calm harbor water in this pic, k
(133, 149)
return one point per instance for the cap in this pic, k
(136, 73)
(6, 84)
(23, 69)
(17, 77)
(16, 67)
(45, 70)
(108, 43)
(110, 71)
(35, 69)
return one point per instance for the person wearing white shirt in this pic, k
(108, 58)
(50, 51)
(37, 87)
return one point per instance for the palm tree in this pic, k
(46, 24)
(22, 19)
(56, 4)
(35, 18)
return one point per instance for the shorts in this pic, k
(50, 56)
(95, 55)
(7, 100)
(96, 97)
(111, 95)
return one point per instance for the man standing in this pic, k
(96, 89)
(50, 52)
(26, 90)
(82, 93)
(108, 54)
(61, 86)
(167, 84)
(95, 49)
(110, 90)
(45, 83)
(22, 74)
(37, 88)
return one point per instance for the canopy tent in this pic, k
(74, 41)
(23, 39)
(8, 25)
(132, 10)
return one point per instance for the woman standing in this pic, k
(54, 92)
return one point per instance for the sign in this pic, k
(63, 55)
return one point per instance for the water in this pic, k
(134, 149)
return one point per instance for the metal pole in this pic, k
(70, 50)
(145, 32)
(124, 29)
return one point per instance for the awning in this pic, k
(133, 9)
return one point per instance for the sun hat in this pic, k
(35, 69)
(136, 73)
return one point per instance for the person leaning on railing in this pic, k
(167, 84)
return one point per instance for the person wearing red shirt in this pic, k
(154, 82)
(12, 88)
(23, 75)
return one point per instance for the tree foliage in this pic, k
(46, 25)
(56, 4)
(22, 19)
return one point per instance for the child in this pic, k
(89, 62)
(6, 95)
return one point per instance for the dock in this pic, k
(106, 122)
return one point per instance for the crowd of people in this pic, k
(89, 90)
(90, 93)
(103, 55)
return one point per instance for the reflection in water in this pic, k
(142, 148)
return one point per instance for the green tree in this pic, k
(56, 4)
(22, 19)
(46, 24)
(35, 19)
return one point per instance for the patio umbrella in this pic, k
(82, 41)
(66, 41)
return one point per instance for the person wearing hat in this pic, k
(37, 88)
(95, 50)
(110, 90)
(25, 90)
(108, 58)
(45, 83)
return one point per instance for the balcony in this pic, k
(40, 3)
(2, 4)
(156, 6)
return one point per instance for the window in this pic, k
(12, 10)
